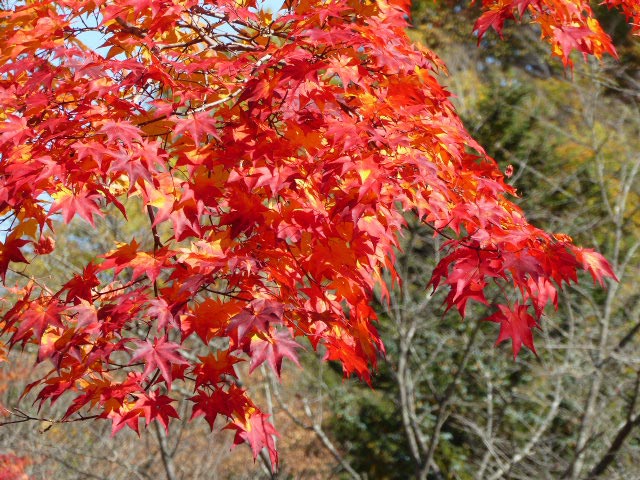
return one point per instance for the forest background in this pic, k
(444, 402)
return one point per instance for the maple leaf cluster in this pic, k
(12, 467)
(569, 25)
(275, 156)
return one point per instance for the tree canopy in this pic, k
(275, 155)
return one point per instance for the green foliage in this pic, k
(368, 425)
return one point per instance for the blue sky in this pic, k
(94, 40)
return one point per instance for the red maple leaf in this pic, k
(122, 131)
(595, 264)
(273, 349)
(199, 126)
(10, 252)
(492, 19)
(46, 244)
(255, 318)
(79, 287)
(157, 407)
(121, 257)
(159, 354)
(213, 366)
(516, 323)
(159, 309)
(210, 318)
(13, 129)
(85, 315)
(258, 432)
(84, 203)
(219, 402)
(128, 415)
(38, 317)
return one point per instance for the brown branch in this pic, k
(49, 422)
(165, 452)
(620, 437)
(443, 412)
(132, 29)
